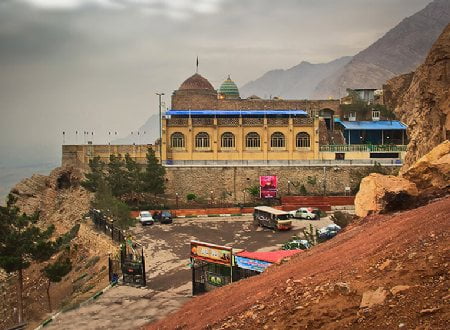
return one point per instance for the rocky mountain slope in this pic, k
(63, 203)
(297, 82)
(422, 100)
(148, 133)
(399, 51)
(384, 272)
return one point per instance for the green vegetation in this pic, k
(55, 273)
(191, 197)
(253, 191)
(363, 108)
(22, 242)
(122, 183)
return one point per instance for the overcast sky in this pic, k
(68, 65)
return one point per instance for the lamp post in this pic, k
(176, 199)
(212, 197)
(289, 187)
(243, 191)
(160, 127)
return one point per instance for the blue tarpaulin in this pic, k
(373, 125)
(235, 112)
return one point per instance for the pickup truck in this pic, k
(307, 213)
(145, 218)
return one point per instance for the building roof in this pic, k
(271, 210)
(373, 125)
(235, 112)
(229, 89)
(196, 82)
(273, 256)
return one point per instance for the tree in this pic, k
(21, 242)
(153, 177)
(134, 174)
(118, 176)
(95, 176)
(55, 273)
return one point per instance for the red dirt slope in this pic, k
(396, 265)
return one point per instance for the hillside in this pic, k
(148, 133)
(400, 50)
(297, 82)
(386, 271)
(422, 100)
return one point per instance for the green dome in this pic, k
(228, 89)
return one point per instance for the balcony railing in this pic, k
(362, 148)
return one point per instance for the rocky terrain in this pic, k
(63, 203)
(384, 272)
(400, 50)
(422, 101)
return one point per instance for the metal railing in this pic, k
(362, 148)
(225, 163)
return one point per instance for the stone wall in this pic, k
(229, 183)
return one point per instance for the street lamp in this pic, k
(160, 127)
(212, 197)
(289, 187)
(176, 199)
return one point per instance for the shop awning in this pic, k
(373, 125)
(272, 257)
(235, 112)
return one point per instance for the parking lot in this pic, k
(167, 249)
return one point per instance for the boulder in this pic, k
(432, 170)
(379, 193)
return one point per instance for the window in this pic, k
(302, 140)
(202, 141)
(277, 140)
(227, 141)
(375, 115)
(252, 141)
(352, 116)
(177, 141)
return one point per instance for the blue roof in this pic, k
(235, 112)
(373, 125)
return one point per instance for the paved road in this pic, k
(167, 248)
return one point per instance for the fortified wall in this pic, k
(231, 183)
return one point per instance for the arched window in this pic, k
(202, 140)
(252, 141)
(302, 140)
(227, 141)
(177, 140)
(277, 140)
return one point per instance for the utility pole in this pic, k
(160, 128)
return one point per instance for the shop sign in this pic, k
(268, 186)
(216, 280)
(251, 264)
(211, 253)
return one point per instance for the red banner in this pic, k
(268, 186)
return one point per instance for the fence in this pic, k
(107, 227)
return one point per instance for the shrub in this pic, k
(191, 197)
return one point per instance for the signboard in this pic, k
(211, 253)
(215, 279)
(251, 264)
(268, 186)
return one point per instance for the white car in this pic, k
(304, 213)
(145, 218)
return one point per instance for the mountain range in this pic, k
(400, 50)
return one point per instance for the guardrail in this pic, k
(318, 162)
(362, 148)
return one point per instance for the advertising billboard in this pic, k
(211, 253)
(268, 186)
(251, 264)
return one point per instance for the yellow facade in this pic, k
(240, 151)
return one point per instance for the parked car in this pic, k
(307, 213)
(296, 244)
(145, 218)
(329, 231)
(164, 216)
